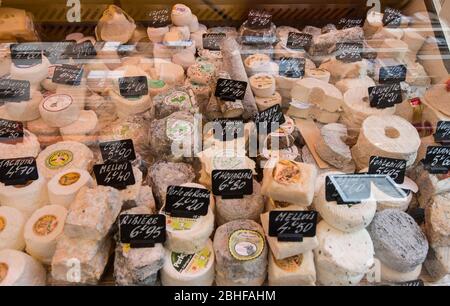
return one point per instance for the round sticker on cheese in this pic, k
(59, 159)
(191, 263)
(178, 129)
(177, 98)
(45, 225)
(57, 102)
(290, 264)
(2, 224)
(3, 271)
(69, 178)
(246, 244)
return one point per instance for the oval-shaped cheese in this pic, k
(42, 231)
(19, 269)
(12, 222)
(262, 84)
(29, 147)
(59, 110)
(25, 110)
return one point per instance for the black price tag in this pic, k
(292, 67)
(211, 41)
(292, 225)
(395, 168)
(232, 184)
(413, 283)
(159, 18)
(187, 202)
(270, 119)
(384, 96)
(259, 19)
(332, 195)
(392, 18)
(442, 134)
(133, 86)
(142, 231)
(437, 159)
(18, 171)
(118, 175)
(11, 132)
(299, 41)
(54, 51)
(26, 54)
(346, 23)
(349, 52)
(117, 151)
(68, 75)
(230, 90)
(14, 90)
(228, 129)
(392, 74)
(83, 50)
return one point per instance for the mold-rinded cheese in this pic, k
(79, 260)
(262, 84)
(437, 225)
(398, 241)
(59, 110)
(342, 258)
(174, 100)
(437, 263)
(137, 266)
(290, 182)
(131, 192)
(144, 198)
(64, 155)
(318, 73)
(26, 198)
(297, 270)
(93, 213)
(12, 222)
(25, 110)
(20, 269)
(46, 134)
(430, 185)
(241, 254)
(317, 92)
(332, 147)
(181, 15)
(189, 269)
(83, 129)
(346, 84)
(283, 250)
(249, 207)
(268, 102)
(201, 72)
(35, 73)
(389, 275)
(28, 147)
(63, 187)
(340, 70)
(42, 231)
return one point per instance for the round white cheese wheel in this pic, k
(63, 187)
(262, 85)
(189, 269)
(59, 110)
(25, 110)
(12, 222)
(42, 231)
(20, 269)
(64, 155)
(35, 74)
(181, 15)
(156, 35)
(26, 198)
(256, 62)
(268, 102)
(28, 147)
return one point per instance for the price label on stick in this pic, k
(211, 41)
(68, 75)
(349, 52)
(437, 159)
(292, 226)
(395, 168)
(159, 18)
(142, 231)
(442, 134)
(232, 184)
(11, 132)
(118, 175)
(384, 96)
(26, 54)
(292, 67)
(230, 90)
(187, 202)
(392, 74)
(118, 150)
(14, 90)
(259, 19)
(133, 86)
(299, 41)
(18, 171)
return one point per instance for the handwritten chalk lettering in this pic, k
(259, 19)
(395, 168)
(442, 134)
(437, 159)
(54, 51)
(14, 90)
(26, 54)
(384, 96)
(228, 129)
(413, 283)
(392, 18)
(294, 223)
(212, 41)
(11, 131)
(84, 50)
(292, 67)
(159, 18)
(346, 23)
(349, 52)
(68, 75)
(392, 74)
(149, 229)
(187, 201)
(299, 41)
(230, 90)
(269, 118)
(120, 150)
(232, 183)
(117, 175)
(18, 170)
(133, 86)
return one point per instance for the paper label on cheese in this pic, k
(57, 103)
(59, 159)
(156, 84)
(180, 224)
(3, 271)
(191, 264)
(246, 244)
(178, 129)
(177, 98)
(290, 264)
(2, 224)
(45, 225)
(287, 172)
(69, 178)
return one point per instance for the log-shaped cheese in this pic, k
(20, 269)
(12, 222)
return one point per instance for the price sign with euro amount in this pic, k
(232, 184)
(384, 96)
(118, 150)
(11, 132)
(442, 134)
(118, 175)
(18, 171)
(230, 90)
(395, 168)
(142, 231)
(26, 54)
(187, 202)
(299, 41)
(68, 75)
(159, 18)
(292, 226)
(14, 90)
(133, 86)
(259, 19)
(437, 159)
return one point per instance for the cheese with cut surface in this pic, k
(28, 147)
(20, 269)
(25, 110)
(332, 147)
(393, 48)
(59, 110)
(317, 92)
(312, 111)
(83, 129)
(437, 223)
(341, 70)
(297, 270)
(12, 222)
(262, 84)
(63, 187)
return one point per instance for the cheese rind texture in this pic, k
(12, 223)
(297, 270)
(21, 269)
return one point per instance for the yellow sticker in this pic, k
(246, 244)
(59, 159)
(126, 247)
(290, 264)
(69, 178)
(45, 225)
(2, 224)
(179, 224)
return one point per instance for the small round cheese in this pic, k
(25, 110)
(12, 222)
(20, 269)
(262, 84)
(28, 147)
(35, 73)
(59, 110)
(268, 102)
(181, 15)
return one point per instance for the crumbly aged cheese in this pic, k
(12, 222)
(332, 147)
(64, 155)
(79, 260)
(389, 275)
(26, 198)
(20, 269)
(25, 110)
(189, 269)
(241, 254)
(347, 84)
(268, 102)
(317, 92)
(262, 84)
(297, 270)
(290, 182)
(283, 250)
(34, 74)
(437, 263)
(174, 100)
(46, 134)
(63, 187)
(93, 213)
(201, 72)
(399, 242)
(83, 129)
(42, 231)
(340, 70)
(59, 110)
(29, 146)
(437, 223)
(318, 73)
(181, 15)
(342, 258)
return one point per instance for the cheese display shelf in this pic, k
(216, 143)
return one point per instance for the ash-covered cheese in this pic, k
(174, 100)
(12, 222)
(28, 147)
(437, 223)
(20, 269)
(297, 270)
